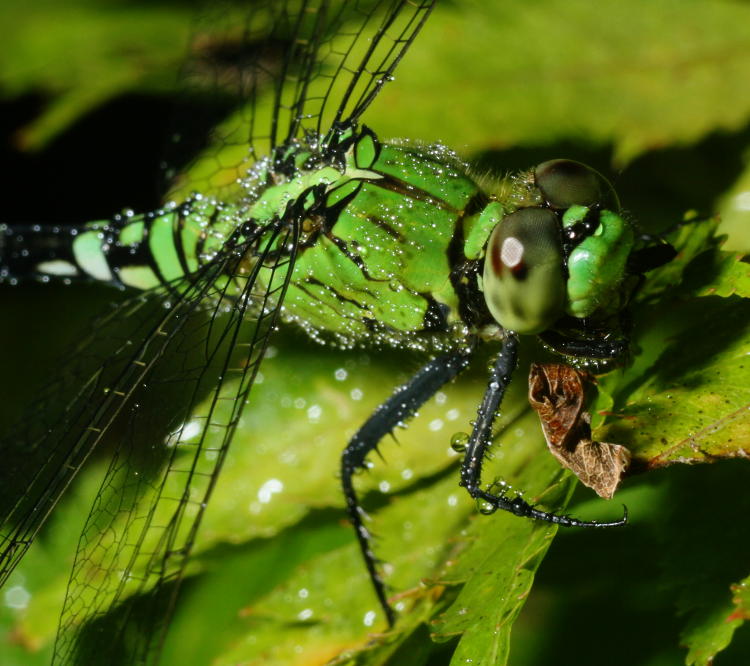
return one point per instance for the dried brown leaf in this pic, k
(558, 394)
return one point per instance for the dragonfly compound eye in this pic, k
(524, 280)
(565, 183)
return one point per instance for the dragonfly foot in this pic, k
(520, 507)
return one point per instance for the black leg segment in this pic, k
(399, 407)
(471, 469)
(606, 350)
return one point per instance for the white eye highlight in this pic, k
(511, 253)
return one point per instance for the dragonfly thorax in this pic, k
(381, 252)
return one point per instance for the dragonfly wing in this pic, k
(78, 410)
(140, 532)
(71, 415)
(295, 68)
(167, 402)
(347, 54)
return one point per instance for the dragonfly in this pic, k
(360, 242)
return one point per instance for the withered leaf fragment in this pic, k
(558, 393)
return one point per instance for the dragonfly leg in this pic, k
(399, 407)
(593, 349)
(471, 468)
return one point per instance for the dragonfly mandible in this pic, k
(358, 240)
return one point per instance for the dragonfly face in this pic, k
(559, 265)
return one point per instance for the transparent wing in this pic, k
(44, 451)
(166, 400)
(75, 412)
(295, 68)
(347, 56)
(168, 452)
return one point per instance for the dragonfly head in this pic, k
(562, 267)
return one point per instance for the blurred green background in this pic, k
(653, 93)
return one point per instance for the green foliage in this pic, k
(276, 577)
(676, 390)
(85, 53)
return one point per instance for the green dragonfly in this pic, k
(360, 242)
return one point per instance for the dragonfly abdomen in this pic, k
(31, 251)
(138, 251)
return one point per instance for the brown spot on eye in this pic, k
(497, 262)
(520, 271)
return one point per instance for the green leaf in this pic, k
(85, 53)
(684, 547)
(734, 210)
(637, 75)
(741, 600)
(729, 275)
(693, 238)
(700, 574)
(685, 398)
(496, 574)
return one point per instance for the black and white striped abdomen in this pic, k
(139, 251)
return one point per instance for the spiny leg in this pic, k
(400, 406)
(471, 468)
(605, 350)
